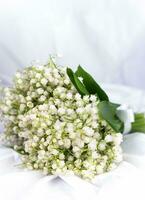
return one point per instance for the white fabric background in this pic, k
(105, 36)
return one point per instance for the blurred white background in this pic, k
(107, 37)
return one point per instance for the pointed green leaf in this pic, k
(91, 85)
(76, 82)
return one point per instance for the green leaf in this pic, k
(76, 82)
(107, 111)
(91, 85)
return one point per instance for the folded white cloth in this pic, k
(106, 37)
(126, 181)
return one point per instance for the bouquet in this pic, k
(62, 122)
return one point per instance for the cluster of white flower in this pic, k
(55, 129)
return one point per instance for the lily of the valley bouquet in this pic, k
(60, 121)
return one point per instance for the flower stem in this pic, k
(139, 124)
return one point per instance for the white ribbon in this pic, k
(126, 115)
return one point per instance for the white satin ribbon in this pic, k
(126, 115)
